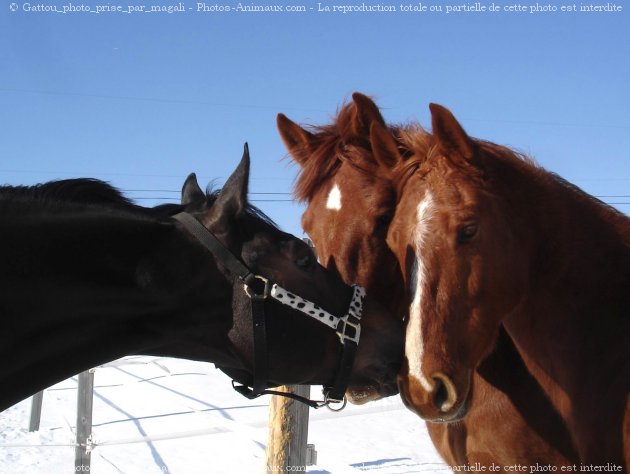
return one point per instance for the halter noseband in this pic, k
(259, 289)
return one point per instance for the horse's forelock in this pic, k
(329, 142)
(322, 161)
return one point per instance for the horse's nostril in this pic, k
(444, 393)
(440, 394)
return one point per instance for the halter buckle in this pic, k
(249, 291)
(343, 336)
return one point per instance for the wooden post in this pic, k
(36, 411)
(82, 453)
(288, 428)
(288, 431)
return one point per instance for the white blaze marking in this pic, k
(414, 343)
(334, 198)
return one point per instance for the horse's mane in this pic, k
(607, 213)
(525, 165)
(505, 161)
(85, 190)
(338, 141)
(94, 194)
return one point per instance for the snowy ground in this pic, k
(174, 416)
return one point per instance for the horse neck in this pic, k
(577, 302)
(79, 291)
(580, 249)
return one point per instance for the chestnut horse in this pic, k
(87, 277)
(488, 240)
(351, 201)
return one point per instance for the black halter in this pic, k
(259, 289)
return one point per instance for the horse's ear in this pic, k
(384, 146)
(365, 112)
(296, 139)
(449, 134)
(191, 192)
(232, 199)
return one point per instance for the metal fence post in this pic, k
(82, 453)
(36, 411)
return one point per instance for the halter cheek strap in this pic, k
(252, 284)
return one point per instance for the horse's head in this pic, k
(300, 348)
(461, 262)
(350, 200)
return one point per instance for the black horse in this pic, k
(87, 277)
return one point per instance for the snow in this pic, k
(158, 415)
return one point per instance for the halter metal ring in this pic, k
(265, 292)
(330, 401)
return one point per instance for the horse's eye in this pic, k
(304, 262)
(466, 233)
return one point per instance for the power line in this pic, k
(135, 175)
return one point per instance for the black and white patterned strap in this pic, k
(348, 327)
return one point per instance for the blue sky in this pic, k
(141, 100)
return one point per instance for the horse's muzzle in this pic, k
(445, 402)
